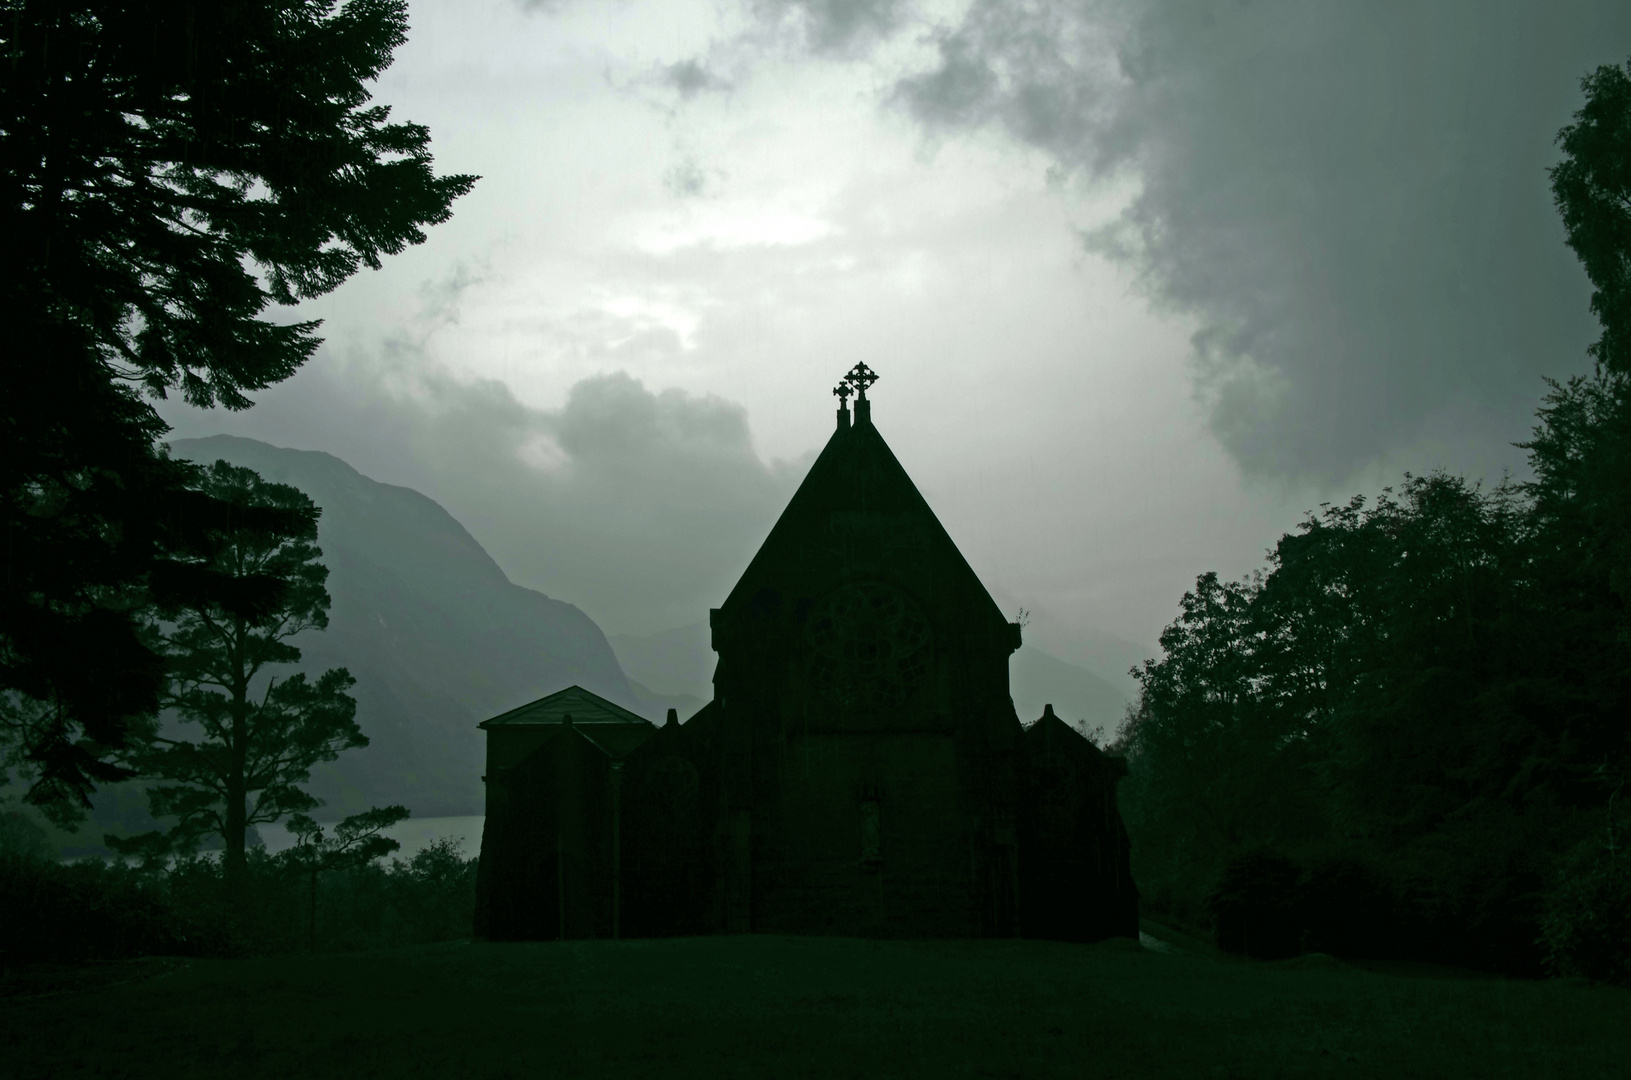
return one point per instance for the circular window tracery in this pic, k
(869, 646)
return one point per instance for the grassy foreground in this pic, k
(763, 1006)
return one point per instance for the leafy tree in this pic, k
(1592, 189)
(357, 840)
(257, 733)
(1375, 696)
(1580, 451)
(1582, 448)
(169, 171)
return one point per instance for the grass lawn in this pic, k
(762, 1006)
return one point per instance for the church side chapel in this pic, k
(860, 770)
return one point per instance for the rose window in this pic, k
(869, 646)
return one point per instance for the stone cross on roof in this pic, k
(843, 390)
(860, 376)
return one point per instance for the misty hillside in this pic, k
(1036, 678)
(436, 635)
(678, 661)
(681, 662)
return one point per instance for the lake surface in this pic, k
(414, 835)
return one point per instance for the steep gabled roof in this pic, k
(856, 475)
(576, 702)
(1050, 735)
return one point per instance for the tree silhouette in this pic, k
(356, 840)
(169, 171)
(1592, 189)
(258, 730)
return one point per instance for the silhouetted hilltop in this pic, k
(436, 635)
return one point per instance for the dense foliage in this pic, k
(1424, 701)
(1433, 688)
(92, 910)
(168, 172)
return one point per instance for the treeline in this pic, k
(1410, 734)
(98, 911)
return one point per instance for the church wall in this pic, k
(546, 845)
(509, 745)
(669, 861)
(862, 835)
(938, 765)
(1076, 879)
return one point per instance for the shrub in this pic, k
(430, 897)
(1255, 906)
(94, 910)
(1271, 906)
(1347, 907)
(22, 838)
(1586, 921)
(69, 913)
(436, 892)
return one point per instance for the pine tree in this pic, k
(169, 172)
(240, 732)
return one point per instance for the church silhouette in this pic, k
(860, 770)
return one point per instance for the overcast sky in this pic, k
(1143, 282)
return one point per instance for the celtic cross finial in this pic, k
(860, 376)
(843, 390)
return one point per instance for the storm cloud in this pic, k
(834, 26)
(640, 507)
(1349, 202)
(1107, 256)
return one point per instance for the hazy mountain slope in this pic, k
(677, 661)
(435, 634)
(1036, 679)
(1103, 654)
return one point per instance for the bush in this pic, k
(430, 897)
(94, 910)
(71, 913)
(22, 838)
(1255, 907)
(1271, 906)
(1586, 921)
(1348, 908)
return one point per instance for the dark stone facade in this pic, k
(1074, 882)
(860, 770)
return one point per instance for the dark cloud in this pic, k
(835, 26)
(1350, 200)
(640, 506)
(440, 297)
(687, 179)
(1046, 72)
(692, 77)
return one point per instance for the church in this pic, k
(860, 770)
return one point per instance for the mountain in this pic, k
(1036, 678)
(1104, 654)
(680, 661)
(437, 637)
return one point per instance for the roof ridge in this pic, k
(593, 700)
(849, 451)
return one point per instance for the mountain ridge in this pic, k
(435, 633)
